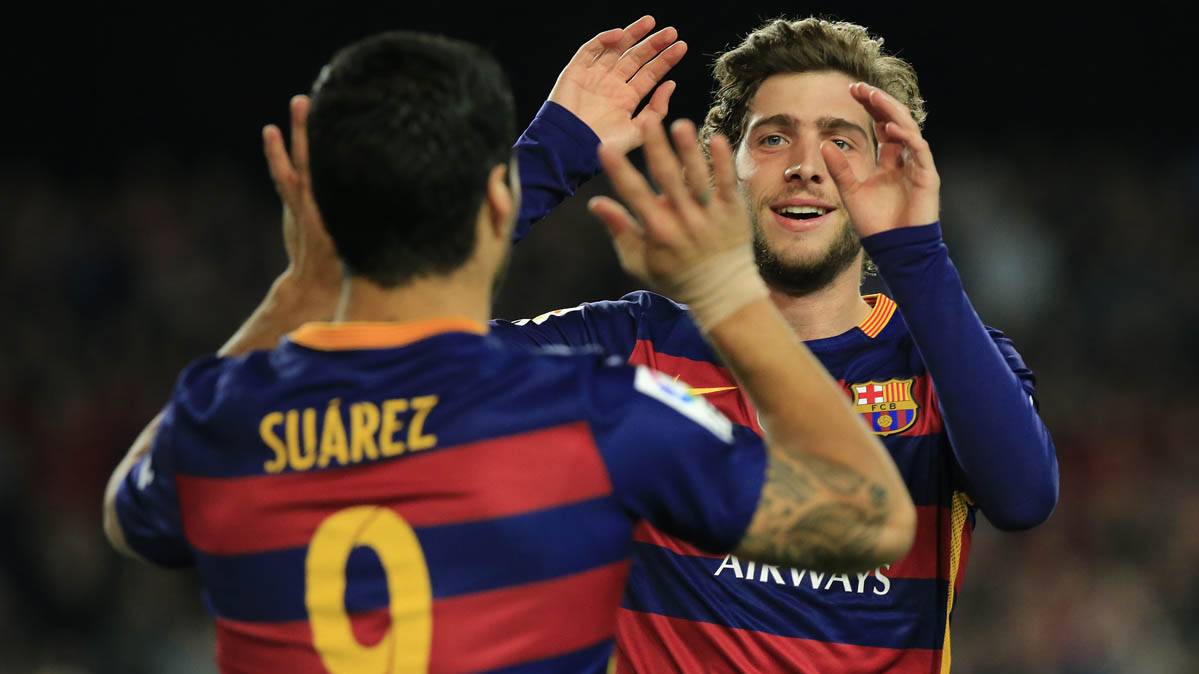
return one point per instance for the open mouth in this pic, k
(802, 217)
(801, 212)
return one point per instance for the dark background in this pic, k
(138, 228)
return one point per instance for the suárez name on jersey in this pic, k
(857, 583)
(303, 439)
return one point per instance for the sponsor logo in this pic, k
(708, 391)
(678, 397)
(547, 315)
(887, 406)
(873, 582)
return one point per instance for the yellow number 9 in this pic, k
(406, 646)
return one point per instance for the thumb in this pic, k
(839, 168)
(627, 235)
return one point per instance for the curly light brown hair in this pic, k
(785, 46)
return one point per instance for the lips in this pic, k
(797, 225)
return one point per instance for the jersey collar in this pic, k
(883, 308)
(377, 335)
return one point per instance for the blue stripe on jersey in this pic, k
(267, 587)
(895, 620)
(590, 660)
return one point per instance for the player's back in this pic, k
(416, 497)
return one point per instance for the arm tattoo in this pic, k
(817, 514)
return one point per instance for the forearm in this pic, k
(999, 440)
(555, 155)
(833, 497)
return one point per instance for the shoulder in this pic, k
(212, 384)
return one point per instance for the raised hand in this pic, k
(904, 189)
(312, 262)
(611, 75)
(691, 222)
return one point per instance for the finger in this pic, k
(629, 36)
(724, 171)
(665, 168)
(277, 161)
(628, 182)
(643, 52)
(595, 47)
(839, 168)
(634, 32)
(890, 155)
(659, 104)
(299, 135)
(627, 235)
(686, 143)
(649, 76)
(615, 217)
(918, 148)
(883, 107)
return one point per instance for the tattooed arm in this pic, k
(833, 499)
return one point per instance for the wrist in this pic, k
(718, 287)
(291, 297)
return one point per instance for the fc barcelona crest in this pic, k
(888, 407)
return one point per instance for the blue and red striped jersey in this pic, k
(689, 610)
(418, 497)
(950, 398)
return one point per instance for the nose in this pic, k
(808, 167)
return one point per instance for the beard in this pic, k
(806, 276)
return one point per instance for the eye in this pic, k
(772, 140)
(842, 143)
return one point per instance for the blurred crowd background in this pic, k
(138, 228)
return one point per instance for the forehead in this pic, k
(807, 97)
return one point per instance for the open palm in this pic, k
(611, 75)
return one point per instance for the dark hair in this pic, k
(403, 131)
(786, 46)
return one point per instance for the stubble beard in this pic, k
(806, 276)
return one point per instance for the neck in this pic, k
(828, 312)
(423, 299)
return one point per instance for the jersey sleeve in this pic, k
(147, 503)
(554, 156)
(1005, 455)
(610, 326)
(677, 462)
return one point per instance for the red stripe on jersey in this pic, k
(486, 630)
(700, 374)
(504, 627)
(648, 643)
(266, 647)
(920, 562)
(928, 416)
(696, 373)
(647, 533)
(493, 478)
(932, 525)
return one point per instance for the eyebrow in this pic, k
(825, 124)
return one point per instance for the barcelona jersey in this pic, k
(689, 610)
(949, 397)
(419, 497)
